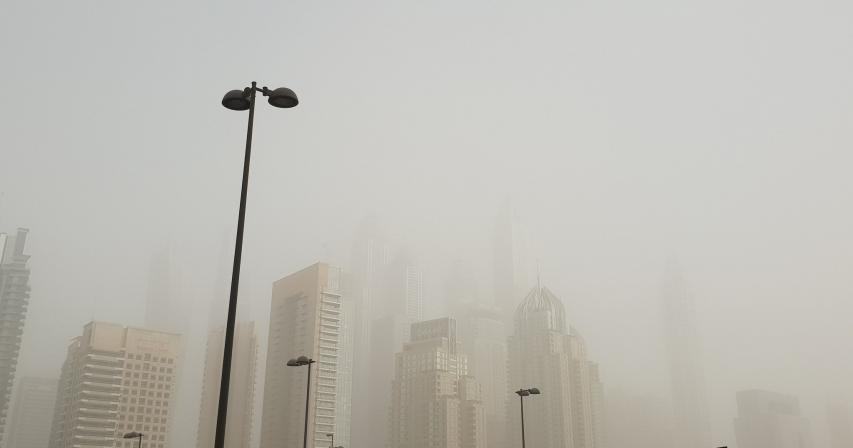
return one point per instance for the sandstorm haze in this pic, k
(635, 142)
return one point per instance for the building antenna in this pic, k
(538, 276)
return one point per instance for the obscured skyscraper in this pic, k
(32, 414)
(435, 404)
(165, 307)
(483, 335)
(840, 420)
(510, 261)
(241, 396)
(691, 424)
(770, 420)
(370, 255)
(116, 380)
(305, 320)
(397, 304)
(545, 353)
(14, 299)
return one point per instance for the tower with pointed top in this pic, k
(691, 424)
(545, 352)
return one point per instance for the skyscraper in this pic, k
(396, 306)
(691, 424)
(545, 353)
(840, 420)
(32, 414)
(483, 336)
(305, 320)
(510, 261)
(435, 404)
(14, 299)
(370, 255)
(116, 380)
(770, 420)
(241, 396)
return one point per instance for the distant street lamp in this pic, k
(332, 436)
(134, 435)
(241, 100)
(521, 394)
(298, 362)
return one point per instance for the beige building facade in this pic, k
(305, 320)
(116, 380)
(434, 403)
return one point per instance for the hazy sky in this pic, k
(626, 133)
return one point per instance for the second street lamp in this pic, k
(134, 435)
(298, 362)
(521, 394)
(241, 100)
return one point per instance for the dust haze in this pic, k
(670, 171)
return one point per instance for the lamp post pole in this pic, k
(297, 362)
(521, 400)
(241, 100)
(521, 394)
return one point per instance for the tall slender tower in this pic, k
(31, 418)
(115, 380)
(435, 404)
(14, 299)
(510, 261)
(691, 424)
(546, 354)
(370, 256)
(305, 320)
(241, 397)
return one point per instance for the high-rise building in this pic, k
(305, 320)
(32, 413)
(370, 256)
(691, 424)
(165, 308)
(544, 352)
(116, 380)
(770, 420)
(435, 404)
(483, 335)
(840, 420)
(510, 261)
(14, 298)
(241, 396)
(396, 306)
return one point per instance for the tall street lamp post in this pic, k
(241, 100)
(134, 435)
(521, 394)
(298, 362)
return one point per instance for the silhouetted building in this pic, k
(305, 320)
(241, 396)
(115, 380)
(32, 414)
(770, 420)
(435, 404)
(691, 424)
(544, 352)
(14, 299)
